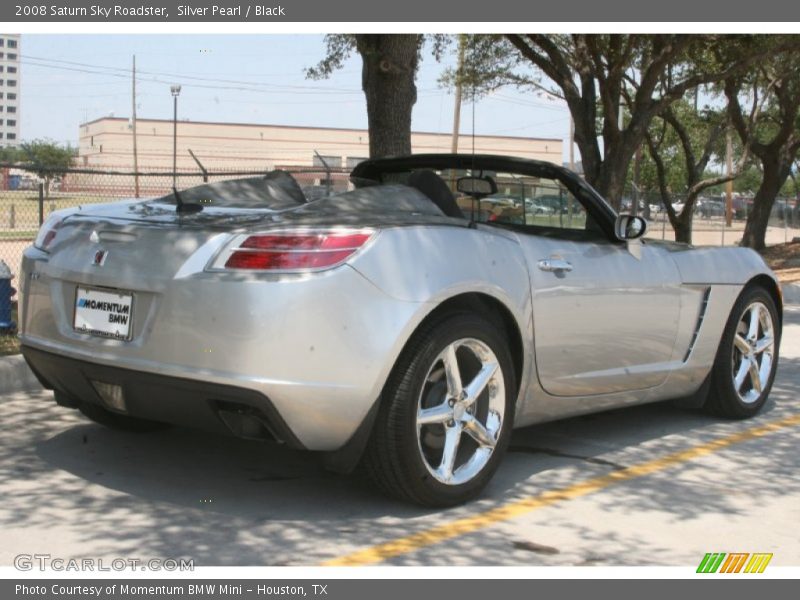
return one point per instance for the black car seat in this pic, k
(434, 187)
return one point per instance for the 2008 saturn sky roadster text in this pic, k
(408, 323)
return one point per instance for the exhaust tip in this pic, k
(246, 421)
(111, 395)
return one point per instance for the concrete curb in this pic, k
(16, 376)
(791, 293)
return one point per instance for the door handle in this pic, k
(554, 265)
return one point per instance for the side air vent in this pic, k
(701, 315)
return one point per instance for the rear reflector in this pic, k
(296, 251)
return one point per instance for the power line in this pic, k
(523, 102)
(195, 85)
(528, 126)
(122, 72)
(233, 84)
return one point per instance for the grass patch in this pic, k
(19, 211)
(18, 236)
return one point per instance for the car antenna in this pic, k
(184, 207)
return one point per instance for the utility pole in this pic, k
(637, 169)
(462, 43)
(133, 127)
(729, 184)
(175, 90)
(571, 143)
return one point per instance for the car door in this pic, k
(605, 313)
(604, 320)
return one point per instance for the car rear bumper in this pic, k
(204, 405)
(319, 348)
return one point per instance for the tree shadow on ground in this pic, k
(223, 501)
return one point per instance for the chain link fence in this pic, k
(709, 224)
(28, 196)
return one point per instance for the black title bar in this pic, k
(443, 11)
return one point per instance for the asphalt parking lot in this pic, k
(650, 485)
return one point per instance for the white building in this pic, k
(9, 89)
(107, 143)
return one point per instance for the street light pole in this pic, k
(175, 90)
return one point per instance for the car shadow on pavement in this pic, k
(224, 501)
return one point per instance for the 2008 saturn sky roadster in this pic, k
(408, 323)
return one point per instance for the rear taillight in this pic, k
(49, 229)
(292, 251)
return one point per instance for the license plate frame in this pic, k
(88, 318)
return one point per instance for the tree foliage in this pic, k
(47, 159)
(602, 76)
(769, 129)
(681, 144)
(9, 154)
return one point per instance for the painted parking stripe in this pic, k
(459, 527)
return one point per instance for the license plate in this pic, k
(104, 313)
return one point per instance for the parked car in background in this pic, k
(710, 207)
(535, 207)
(741, 207)
(784, 210)
(627, 205)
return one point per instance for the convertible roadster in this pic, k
(408, 323)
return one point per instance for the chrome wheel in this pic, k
(753, 352)
(460, 411)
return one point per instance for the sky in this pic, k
(70, 79)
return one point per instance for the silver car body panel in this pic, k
(623, 327)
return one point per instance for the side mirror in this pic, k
(628, 227)
(476, 186)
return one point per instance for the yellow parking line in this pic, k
(459, 527)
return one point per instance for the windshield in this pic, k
(518, 199)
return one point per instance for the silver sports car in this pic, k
(408, 323)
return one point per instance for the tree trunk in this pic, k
(387, 77)
(776, 171)
(683, 228)
(611, 175)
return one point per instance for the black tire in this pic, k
(723, 399)
(105, 417)
(394, 459)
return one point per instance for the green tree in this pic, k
(47, 159)
(685, 143)
(748, 181)
(596, 75)
(772, 134)
(9, 154)
(791, 189)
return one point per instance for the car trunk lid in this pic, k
(143, 242)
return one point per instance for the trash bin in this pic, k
(6, 294)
